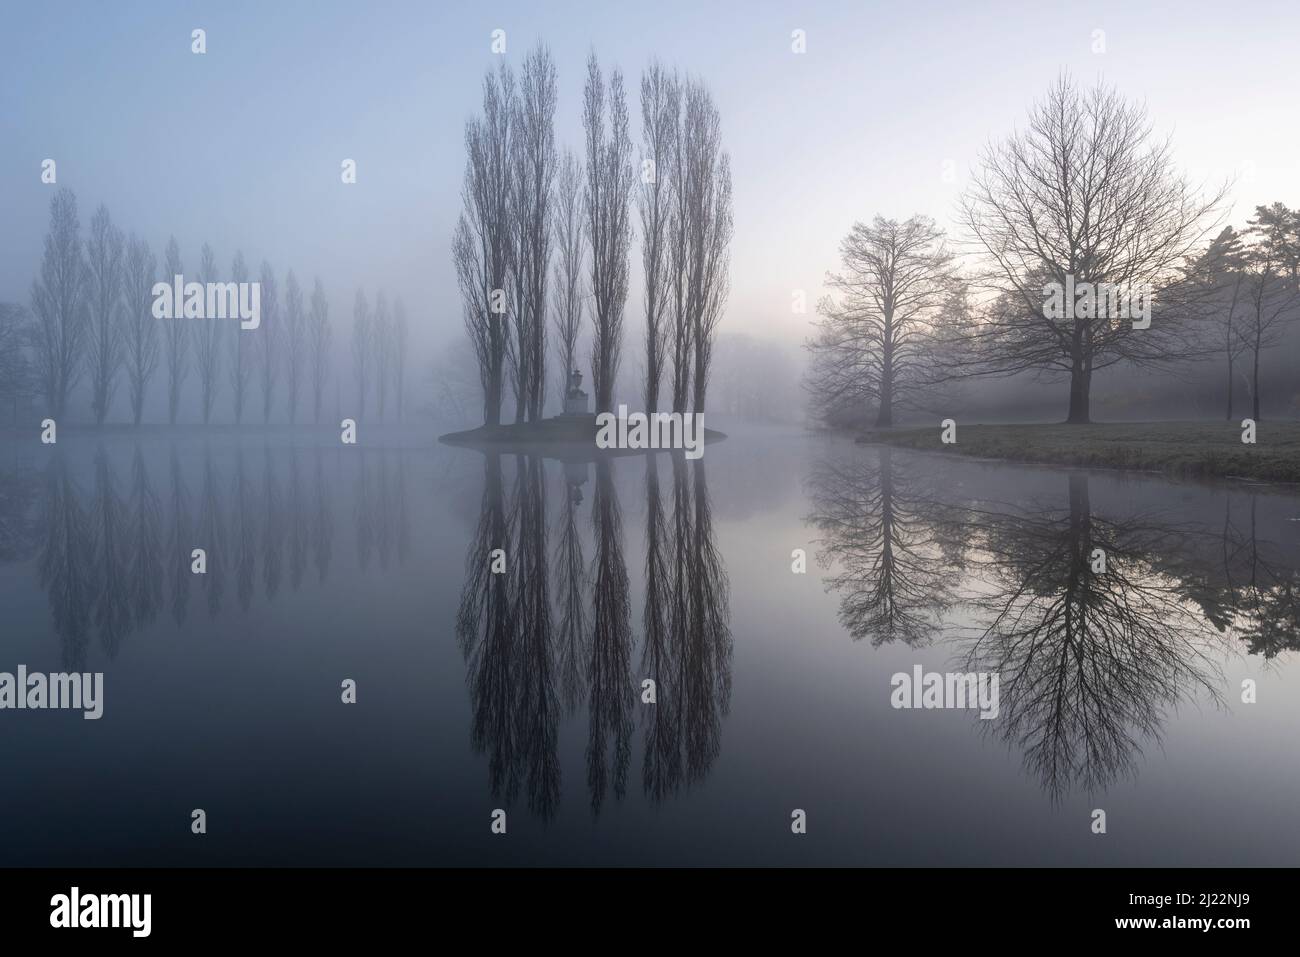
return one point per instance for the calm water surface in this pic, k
(1119, 690)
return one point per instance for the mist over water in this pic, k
(522, 690)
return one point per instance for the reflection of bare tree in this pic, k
(538, 705)
(1090, 658)
(322, 525)
(365, 514)
(145, 571)
(19, 531)
(112, 602)
(245, 533)
(1267, 602)
(297, 523)
(661, 768)
(212, 536)
(573, 639)
(610, 693)
(179, 543)
(66, 568)
(485, 629)
(883, 536)
(273, 528)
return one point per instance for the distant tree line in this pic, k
(544, 236)
(1084, 196)
(92, 318)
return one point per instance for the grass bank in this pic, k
(1188, 449)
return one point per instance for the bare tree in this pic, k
(15, 370)
(104, 263)
(58, 304)
(533, 161)
(571, 250)
(660, 109)
(481, 246)
(609, 183)
(175, 335)
(876, 339)
(295, 340)
(242, 356)
(141, 328)
(207, 342)
(401, 335)
(1272, 296)
(318, 336)
(699, 234)
(382, 351)
(268, 332)
(363, 340)
(1083, 196)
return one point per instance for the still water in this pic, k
(1120, 688)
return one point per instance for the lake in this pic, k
(770, 589)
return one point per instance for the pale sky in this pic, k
(241, 147)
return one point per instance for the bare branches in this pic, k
(140, 327)
(104, 252)
(609, 183)
(571, 251)
(58, 305)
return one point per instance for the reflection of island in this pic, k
(111, 557)
(534, 654)
(1098, 625)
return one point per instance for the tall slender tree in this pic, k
(243, 356)
(105, 249)
(363, 341)
(207, 341)
(58, 305)
(609, 184)
(269, 334)
(569, 266)
(660, 107)
(533, 161)
(295, 341)
(401, 336)
(176, 333)
(481, 246)
(141, 327)
(318, 336)
(382, 352)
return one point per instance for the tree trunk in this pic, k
(885, 416)
(1255, 390)
(1080, 392)
(1229, 417)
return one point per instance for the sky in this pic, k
(885, 113)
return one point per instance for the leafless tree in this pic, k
(1084, 192)
(533, 161)
(176, 335)
(141, 328)
(207, 342)
(877, 333)
(268, 333)
(699, 241)
(363, 341)
(295, 340)
(609, 183)
(382, 351)
(1220, 272)
(58, 304)
(104, 262)
(660, 111)
(401, 342)
(318, 336)
(15, 370)
(481, 246)
(570, 252)
(242, 356)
